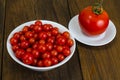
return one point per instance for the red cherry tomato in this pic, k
(42, 48)
(61, 57)
(46, 27)
(66, 52)
(66, 34)
(36, 53)
(25, 29)
(31, 40)
(47, 62)
(61, 40)
(29, 50)
(91, 23)
(15, 47)
(54, 31)
(13, 41)
(54, 53)
(54, 60)
(46, 55)
(28, 58)
(51, 39)
(59, 48)
(43, 35)
(16, 35)
(22, 38)
(38, 22)
(49, 46)
(24, 44)
(40, 63)
(41, 41)
(70, 42)
(29, 34)
(37, 28)
(19, 53)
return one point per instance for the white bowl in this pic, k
(19, 28)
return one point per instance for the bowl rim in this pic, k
(18, 28)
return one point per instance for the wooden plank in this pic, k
(2, 13)
(20, 11)
(100, 63)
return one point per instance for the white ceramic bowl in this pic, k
(19, 28)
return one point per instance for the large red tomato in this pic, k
(91, 23)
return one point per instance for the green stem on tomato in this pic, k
(97, 7)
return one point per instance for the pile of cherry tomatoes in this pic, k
(41, 44)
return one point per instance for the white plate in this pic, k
(100, 40)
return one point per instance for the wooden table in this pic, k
(88, 63)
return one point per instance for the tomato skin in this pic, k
(47, 62)
(13, 41)
(19, 53)
(38, 22)
(91, 23)
(28, 58)
(24, 44)
(54, 60)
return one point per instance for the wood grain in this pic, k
(2, 15)
(100, 63)
(20, 11)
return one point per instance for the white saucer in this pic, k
(100, 40)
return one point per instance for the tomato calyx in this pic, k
(97, 7)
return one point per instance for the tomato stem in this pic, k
(97, 7)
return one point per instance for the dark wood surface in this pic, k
(87, 63)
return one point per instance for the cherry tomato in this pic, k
(61, 57)
(37, 28)
(28, 58)
(35, 61)
(51, 39)
(29, 34)
(13, 41)
(91, 23)
(19, 53)
(43, 35)
(32, 40)
(36, 53)
(41, 41)
(54, 31)
(29, 50)
(66, 52)
(54, 53)
(47, 62)
(15, 47)
(70, 42)
(40, 63)
(24, 44)
(66, 34)
(16, 35)
(61, 40)
(49, 34)
(46, 27)
(49, 46)
(46, 55)
(59, 48)
(54, 60)
(22, 38)
(42, 48)
(25, 29)
(35, 45)
(38, 22)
